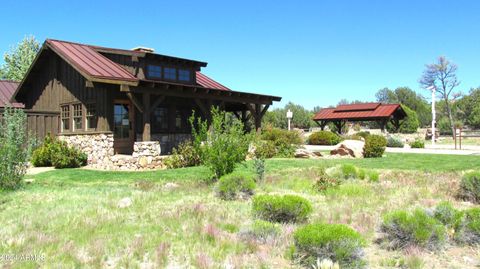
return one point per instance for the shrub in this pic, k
(353, 137)
(363, 134)
(14, 148)
(54, 152)
(336, 242)
(286, 208)
(362, 174)
(232, 185)
(265, 149)
(374, 146)
(349, 171)
(223, 144)
(285, 141)
(67, 157)
(43, 155)
(262, 231)
(417, 144)
(325, 181)
(470, 187)
(259, 166)
(324, 138)
(417, 229)
(409, 125)
(448, 215)
(184, 155)
(469, 230)
(373, 176)
(394, 142)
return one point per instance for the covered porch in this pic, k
(157, 112)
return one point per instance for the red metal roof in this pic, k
(357, 107)
(90, 62)
(207, 82)
(7, 89)
(355, 113)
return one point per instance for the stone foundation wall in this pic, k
(168, 141)
(99, 148)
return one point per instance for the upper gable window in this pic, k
(184, 75)
(154, 71)
(170, 73)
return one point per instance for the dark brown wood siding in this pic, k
(58, 83)
(40, 124)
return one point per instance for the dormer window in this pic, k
(154, 71)
(170, 73)
(184, 75)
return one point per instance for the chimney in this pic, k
(143, 49)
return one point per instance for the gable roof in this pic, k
(207, 82)
(366, 111)
(7, 89)
(89, 62)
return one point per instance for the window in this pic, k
(65, 115)
(160, 119)
(184, 75)
(170, 73)
(91, 116)
(77, 117)
(154, 71)
(181, 120)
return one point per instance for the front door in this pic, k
(123, 127)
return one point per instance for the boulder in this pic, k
(125, 202)
(353, 148)
(305, 154)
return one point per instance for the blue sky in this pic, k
(308, 52)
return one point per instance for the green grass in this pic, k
(71, 216)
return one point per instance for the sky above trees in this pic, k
(313, 53)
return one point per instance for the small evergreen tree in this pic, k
(14, 148)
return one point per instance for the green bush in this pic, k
(417, 144)
(259, 168)
(265, 149)
(44, 154)
(363, 134)
(352, 137)
(223, 144)
(409, 125)
(394, 142)
(324, 181)
(374, 146)
(324, 138)
(373, 176)
(285, 141)
(286, 208)
(68, 157)
(470, 187)
(184, 155)
(336, 242)
(233, 185)
(349, 171)
(54, 152)
(403, 229)
(262, 231)
(14, 148)
(469, 231)
(362, 174)
(448, 215)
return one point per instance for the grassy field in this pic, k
(72, 218)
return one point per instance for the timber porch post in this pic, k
(147, 136)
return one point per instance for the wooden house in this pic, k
(124, 102)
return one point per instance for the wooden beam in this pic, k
(124, 88)
(264, 110)
(202, 107)
(146, 136)
(88, 84)
(135, 101)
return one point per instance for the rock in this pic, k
(29, 180)
(125, 202)
(170, 186)
(352, 148)
(304, 153)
